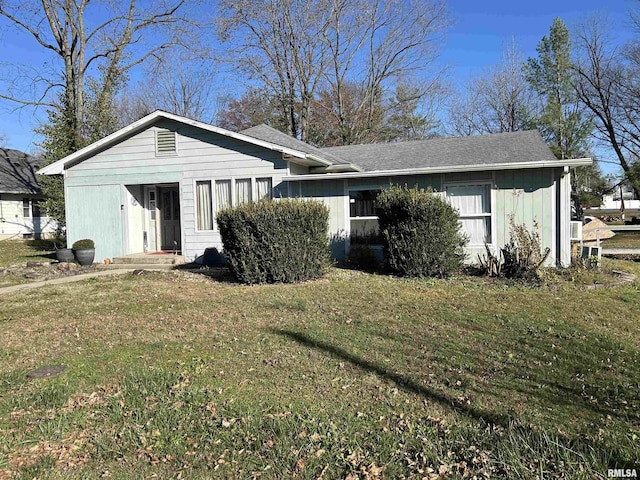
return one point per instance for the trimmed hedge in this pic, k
(85, 243)
(276, 241)
(420, 233)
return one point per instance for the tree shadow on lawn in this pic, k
(616, 458)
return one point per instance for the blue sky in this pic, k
(481, 28)
(473, 43)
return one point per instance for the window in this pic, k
(152, 204)
(213, 196)
(243, 191)
(474, 204)
(223, 194)
(26, 208)
(363, 222)
(203, 206)
(263, 187)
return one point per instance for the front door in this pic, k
(170, 218)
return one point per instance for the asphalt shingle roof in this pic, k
(512, 147)
(18, 172)
(269, 134)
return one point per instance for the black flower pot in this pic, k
(64, 255)
(85, 256)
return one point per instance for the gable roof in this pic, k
(18, 172)
(293, 154)
(496, 149)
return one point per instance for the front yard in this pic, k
(355, 375)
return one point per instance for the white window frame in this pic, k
(492, 206)
(234, 200)
(29, 207)
(360, 189)
(347, 208)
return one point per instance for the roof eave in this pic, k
(58, 167)
(577, 162)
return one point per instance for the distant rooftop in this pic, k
(18, 172)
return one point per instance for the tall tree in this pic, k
(175, 82)
(104, 44)
(254, 107)
(92, 52)
(296, 48)
(608, 84)
(498, 101)
(277, 44)
(564, 123)
(372, 45)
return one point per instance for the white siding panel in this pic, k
(13, 223)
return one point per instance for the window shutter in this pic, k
(165, 142)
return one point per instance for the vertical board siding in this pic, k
(528, 196)
(94, 212)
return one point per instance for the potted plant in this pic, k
(63, 254)
(84, 251)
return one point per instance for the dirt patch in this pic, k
(39, 271)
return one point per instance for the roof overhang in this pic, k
(577, 162)
(58, 168)
(19, 192)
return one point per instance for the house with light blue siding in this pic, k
(157, 184)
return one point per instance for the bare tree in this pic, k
(607, 82)
(105, 49)
(254, 107)
(277, 43)
(498, 101)
(373, 46)
(297, 47)
(174, 82)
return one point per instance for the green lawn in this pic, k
(623, 240)
(14, 252)
(355, 375)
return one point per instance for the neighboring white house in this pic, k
(158, 183)
(20, 215)
(612, 201)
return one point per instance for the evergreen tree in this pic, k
(59, 140)
(564, 122)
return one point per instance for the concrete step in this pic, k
(144, 259)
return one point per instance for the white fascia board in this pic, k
(58, 167)
(321, 161)
(578, 162)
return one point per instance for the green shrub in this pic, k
(276, 241)
(420, 233)
(84, 244)
(362, 257)
(520, 258)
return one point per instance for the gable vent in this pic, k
(165, 142)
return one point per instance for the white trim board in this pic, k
(436, 170)
(58, 168)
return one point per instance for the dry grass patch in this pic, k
(355, 374)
